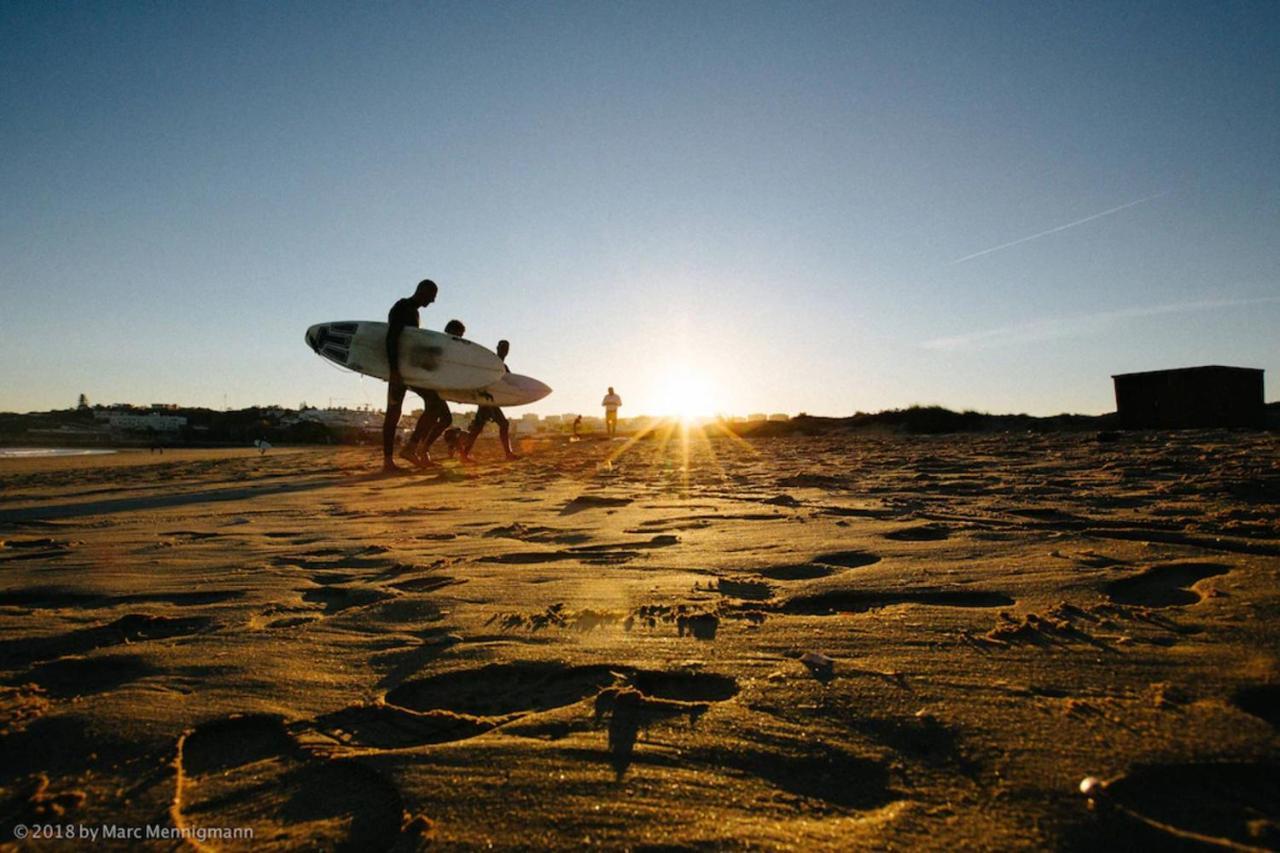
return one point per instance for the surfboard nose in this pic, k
(332, 340)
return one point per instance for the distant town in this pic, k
(1198, 398)
(168, 424)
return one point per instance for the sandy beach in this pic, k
(837, 642)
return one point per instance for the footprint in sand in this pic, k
(920, 533)
(821, 566)
(665, 525)
(430, 583)
(463, 704)
(82, 676)
(608, 554)
(391, 727)
(650, 697)
(586, 502)
(1163, 806)
(337, 598)
(16, 550)
(827, 773)
(660, 541)
(30, 544)
(1168, 585)
(856, 512)
(535, 533)
(331, 566)
(513, 688)
(249, 771)
(503, 688)
(684, 685)
(744, 589)
(859, 601)
(1261, 701)
(292, 621)
(326, 559)
(334, 578)
(522, 558)
(131, 628)
(59, 597)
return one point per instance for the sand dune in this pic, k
(786, 643)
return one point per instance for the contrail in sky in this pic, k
(1059, 228)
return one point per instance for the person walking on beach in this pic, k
(484, 414)
(436, 417)
(403, 314)
(611, 402)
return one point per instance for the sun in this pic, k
(686, 394)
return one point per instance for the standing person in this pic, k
(484, 414)
(436, 417)
(403, 313)
(611, 402)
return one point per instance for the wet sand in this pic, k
(837, 642)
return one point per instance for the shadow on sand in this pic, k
(108, 507)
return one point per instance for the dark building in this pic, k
(1189, 397)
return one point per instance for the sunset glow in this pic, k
(687, 395)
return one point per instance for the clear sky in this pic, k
(767, 207)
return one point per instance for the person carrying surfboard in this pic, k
(405, 313)
(611, 402)
(484, 414)
(435, 419)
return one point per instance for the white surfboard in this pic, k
(511, 390)
(428, 359)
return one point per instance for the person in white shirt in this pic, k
(611, 402)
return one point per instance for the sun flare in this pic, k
(686, 395)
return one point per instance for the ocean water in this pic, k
(38, 452)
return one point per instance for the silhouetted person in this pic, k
(611, 402)
(484, 414)
(577, 425)
(403, 313)
(435, 417)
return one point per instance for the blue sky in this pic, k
(767, 207)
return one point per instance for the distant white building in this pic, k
(757, 416)
(359, 418)
(779, 416)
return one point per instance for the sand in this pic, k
(837, 642)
